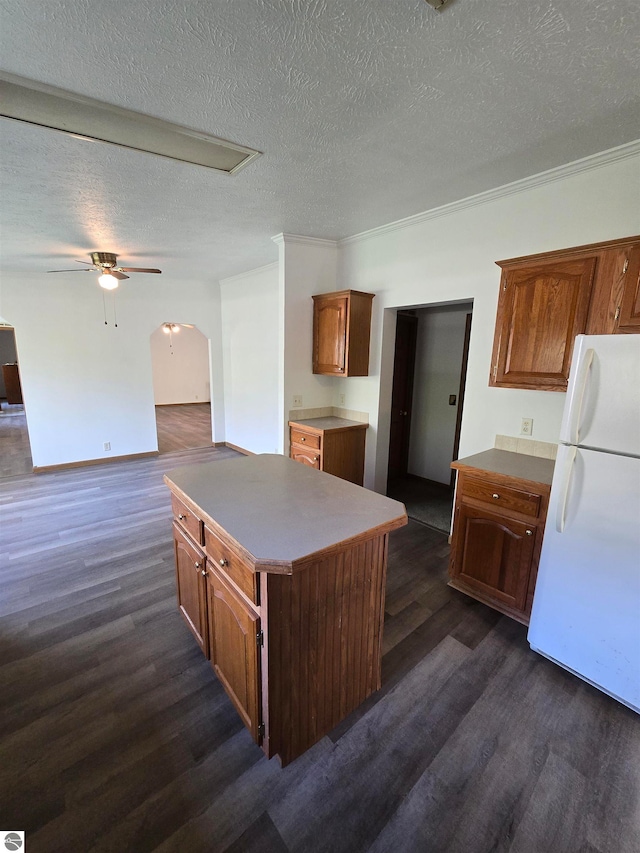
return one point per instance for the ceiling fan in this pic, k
(105, 264)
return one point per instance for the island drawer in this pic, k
(187, 519)
(306, 438)
(506, 497)
(229, 564)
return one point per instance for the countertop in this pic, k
(509, 464)
(329, 423)
(280, 511)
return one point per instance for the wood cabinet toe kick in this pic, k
(289, 603)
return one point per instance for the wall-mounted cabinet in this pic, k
(546, 300)
(341, 333)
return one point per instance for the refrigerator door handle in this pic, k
(563, 492)
(577, 396)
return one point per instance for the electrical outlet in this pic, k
(527, 426)
(341, 399)
(297, 400)
(107, 445)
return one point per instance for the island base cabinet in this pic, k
(235, 638)
(190, 586)
(324, 645)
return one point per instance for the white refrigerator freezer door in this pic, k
(602, 410)
(586, 606)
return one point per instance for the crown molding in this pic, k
(250, 273)
(298, 239)
(586, 164)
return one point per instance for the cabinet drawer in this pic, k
(187, 519)
(516, 500)
(229, 564)
(307, 456)
(305, 438)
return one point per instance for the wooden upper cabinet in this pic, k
(546, 300)
(341, 333)
(542, 308)
(628, 319)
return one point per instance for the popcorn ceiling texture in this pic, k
(367, 111)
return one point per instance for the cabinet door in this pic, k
(629, 319)
(307, 456)
(540, 311)
(493, 555)
(191, 587)
(233, 631)
(330, 335)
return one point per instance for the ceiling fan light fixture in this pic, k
(108, 281)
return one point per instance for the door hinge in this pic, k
(625, 267)
(260, 638)
(261, 730)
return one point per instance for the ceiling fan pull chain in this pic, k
(104, 308)
(115, 316)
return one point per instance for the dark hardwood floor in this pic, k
(183, 427)
(117, 736)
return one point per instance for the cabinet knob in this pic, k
(529, 532)
(495, 496)
(181, 517)
(315, 458)
(223, 562)
(197, 565)
(302, 438)
(203, 573)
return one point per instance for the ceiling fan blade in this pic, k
(187, 325)
(120, 276)
(75, 269)
(138, 269)
(83, 262)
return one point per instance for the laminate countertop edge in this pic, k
(505, 463)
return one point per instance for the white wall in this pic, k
(180, 365)
(450, 256)
(85, 383)
(250, 353)
(439, 350)
(306, 266)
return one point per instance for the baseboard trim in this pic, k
(218, 443)
(239, 449)
(194, 403)
(83, 463)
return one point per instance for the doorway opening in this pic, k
(15, 447)
(430, 366)
(181, 387)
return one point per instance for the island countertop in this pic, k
(282, 513)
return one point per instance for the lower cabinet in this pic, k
(235, 639)
(498, 526)
(191, 586)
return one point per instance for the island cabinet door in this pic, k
(234, 631)
(191, 587)
(493, 555)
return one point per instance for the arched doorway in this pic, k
(15, 449)
(181, 387)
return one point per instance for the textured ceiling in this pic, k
(366, 111)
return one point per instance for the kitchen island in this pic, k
(280, 574)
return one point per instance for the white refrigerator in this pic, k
(586, 606)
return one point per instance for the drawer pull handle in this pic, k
(302, 438)
(181, 517)
(223, 562)
(495, 496)
(529, 532)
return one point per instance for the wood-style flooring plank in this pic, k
(116, 734)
